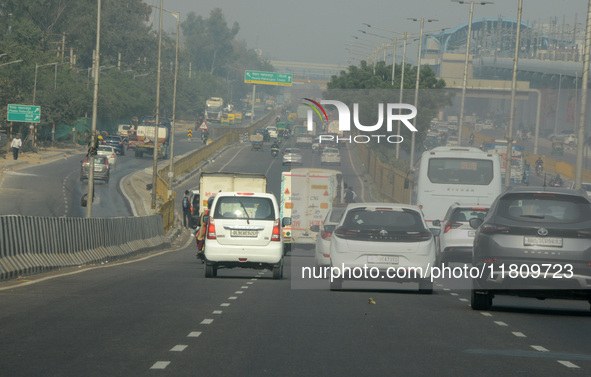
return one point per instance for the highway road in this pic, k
(156, 315)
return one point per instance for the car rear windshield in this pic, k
(460, 171)
(466, 214)
(238, 207)
(545, 208)
(387, 219)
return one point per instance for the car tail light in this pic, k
(245, 193)
(276, 235)
(584, 233)
(113, 155)
(344, 233)
(492, 228)
(211, 230)
(120, 143)
(325, 235)
(104, 142)
(450, 225)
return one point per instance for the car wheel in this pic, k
(481, 300)
(211, 270)
(278, 271)
(336, 284)
(286, 248)
(425, 287)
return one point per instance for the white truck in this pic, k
(210, 183)
(306, 197)
(214, 109)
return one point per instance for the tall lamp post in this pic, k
(464, 81)
(582, 116)
(93, 139)
(412, 143)
(157, 117)
(509, 154)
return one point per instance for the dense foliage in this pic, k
(59, 37)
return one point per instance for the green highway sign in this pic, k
(24, 113)
(267, 78)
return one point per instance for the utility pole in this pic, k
(582, 116)
(157, 120)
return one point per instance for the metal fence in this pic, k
(36, 244)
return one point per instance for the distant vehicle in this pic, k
(115, 141)
(456, 236)
(446, 175)
(499, 147)
(539, 240)
(214, 109)
(452, 141)
(101, 169)
(322, 252)
(244, 230)
(131, 139)
(211, 183)
(146, 135)
(330, 156)
(304, 141)
(292, 156)
(382, 236)
(585, 186)
(122, 129)
(195, 200)
(109, 152)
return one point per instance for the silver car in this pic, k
(534, 242)
(292, 156)
(333, 217)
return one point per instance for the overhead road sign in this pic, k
(24, 113)
(267, 78)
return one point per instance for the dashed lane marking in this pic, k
(519, 334)
(217, 312)
(540, 348)
(232, 298)
(179, 348)
(160, 365)
(501, 323)
(194, 334)
(568, 364)
(239, 292)
(486, 314)
(207, 321)
(225, 304)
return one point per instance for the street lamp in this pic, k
(412, 145)
(461, 122)
(394, 42)
(582, 117)
(509, 154)
(157, 117)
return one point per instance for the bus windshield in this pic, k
(460, 171)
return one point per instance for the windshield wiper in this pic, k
(246, 212)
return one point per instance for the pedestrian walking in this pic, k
(186, 209)
(350, 195)
(16, 146)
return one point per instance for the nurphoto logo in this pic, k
(344, 121)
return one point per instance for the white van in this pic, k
(244, 230)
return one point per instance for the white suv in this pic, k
(244, 230)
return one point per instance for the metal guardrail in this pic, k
(38, 244)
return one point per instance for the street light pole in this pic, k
(401, 89)
(176, 70)
(467, 57)
(509, 154)
(412, 143)
(581, 137)
(157, 117)
(93, 139)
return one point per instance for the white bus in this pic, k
(446, 175)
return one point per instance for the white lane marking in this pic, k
(446, 289)
(207, 321)
(519, 334)
(232, 159)
(244, 287)
(160, 365)
(464, 299)
(179, 348)
(250, 282)
(239, 292)
(486, 314)
(568, 364)
(232, 298)
(540, 348)
(453, 294)
(217, 312)
(500, 323)
(225, 304)
(194, 334)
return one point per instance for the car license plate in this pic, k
(382, 259)
(243, 233)
(542, 241)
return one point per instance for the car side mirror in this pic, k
(406, 183)
(436, 223)
(475, 222)
(286, 221)
(435, 231)
(315, 228)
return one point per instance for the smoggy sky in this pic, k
(316, 31)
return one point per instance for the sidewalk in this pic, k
(43, 156)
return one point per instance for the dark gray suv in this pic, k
(534, 242)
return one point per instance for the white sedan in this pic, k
(110, 153)
(330, 156)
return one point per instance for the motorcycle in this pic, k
(274, 153)
(555, 182)
(539, 170)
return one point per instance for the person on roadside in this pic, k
(186, 203)
(350, 195)
(16, 146)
